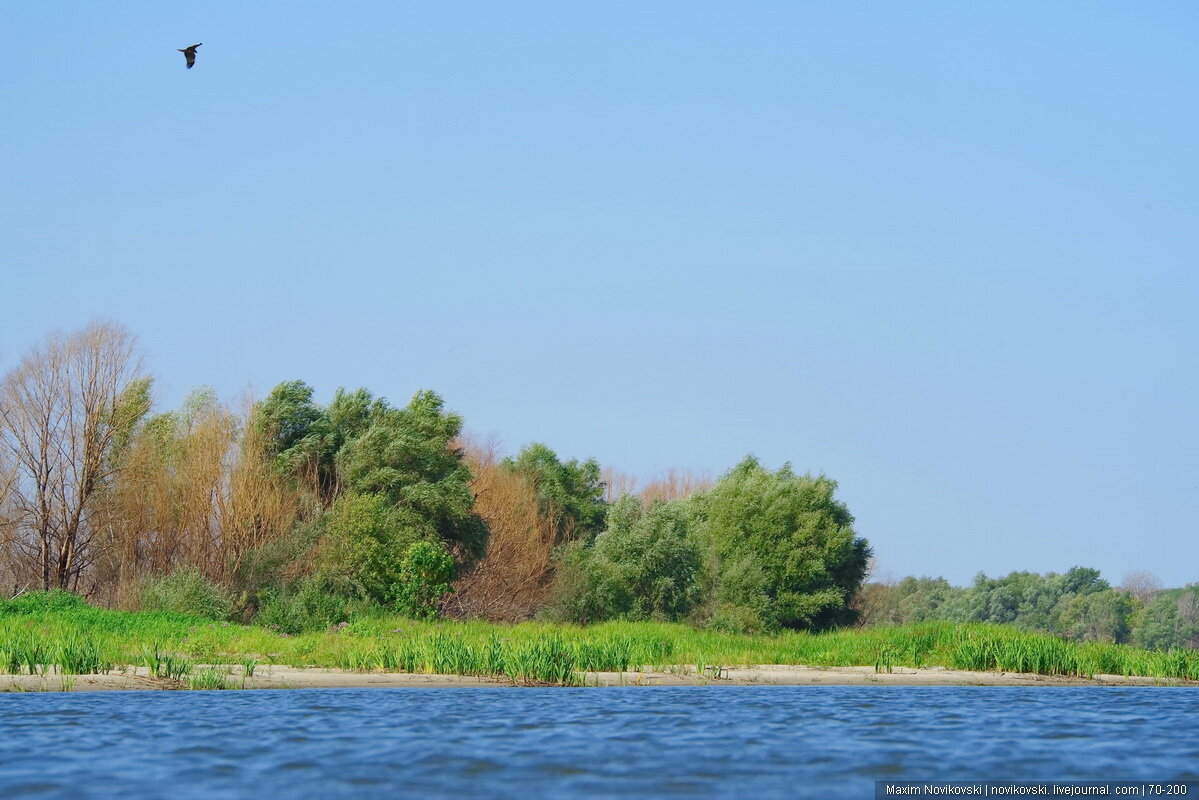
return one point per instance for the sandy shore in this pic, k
(278, 677)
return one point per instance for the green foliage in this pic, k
(425, 572)
(366, 539)
(389, 477)
(407, 456)
(728, 618)
(645, 566)
(309, 605)
(1097, 616)
(186, 591)
(1025, 599)
(780, 545)
(169, 644)
(131, 407)
(570, 493)
(1171, 620)
(922, 599)
(304, 439)
(1077, 605)
(55, 601)
(290, 424)
(266, 567)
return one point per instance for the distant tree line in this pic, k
(1077, 604)
(297, 514)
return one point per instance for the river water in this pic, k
(751, 742)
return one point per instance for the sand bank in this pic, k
(279, 677)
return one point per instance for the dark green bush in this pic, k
(309, 605)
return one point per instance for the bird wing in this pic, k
(190, 54)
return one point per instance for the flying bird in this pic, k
(190, 55)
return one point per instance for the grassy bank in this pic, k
(42, 634)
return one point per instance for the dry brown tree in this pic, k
(675, 484)
(63, 410)
(193, 490)
(513, 579)
(257, 508)
(672, 484)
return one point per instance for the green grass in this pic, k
(207, 678)
(73, 638)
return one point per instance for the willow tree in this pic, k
(780, 547)
(69, 404)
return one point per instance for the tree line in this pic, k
(296, 514)
(1078, 604)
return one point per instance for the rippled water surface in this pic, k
(633, 742)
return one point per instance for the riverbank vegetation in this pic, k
(298, 515)
(295, 516)
(47, 632)
(1077, 605)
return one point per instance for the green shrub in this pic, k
(425, 572)
(53, 601)
(367, 538)
(736, 619)
(309, 605)
(186, 591)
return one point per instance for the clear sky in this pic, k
(945, 252)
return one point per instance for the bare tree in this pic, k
(9, 570)
(1141, 585)
(63, 410)
(674, 484)
(617, 484)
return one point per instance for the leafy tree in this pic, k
(781, 545)
(407, 456)
(923, 599)
(288, 419)
(304, 440)
(1171, 620)
(361, 445)
(570, 493)
(645, 566)
(1025, 599)
(1098, 616)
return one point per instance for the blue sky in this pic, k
(944, 252)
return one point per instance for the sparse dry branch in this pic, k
(513, 579)
(62, 410)
(675, 484)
